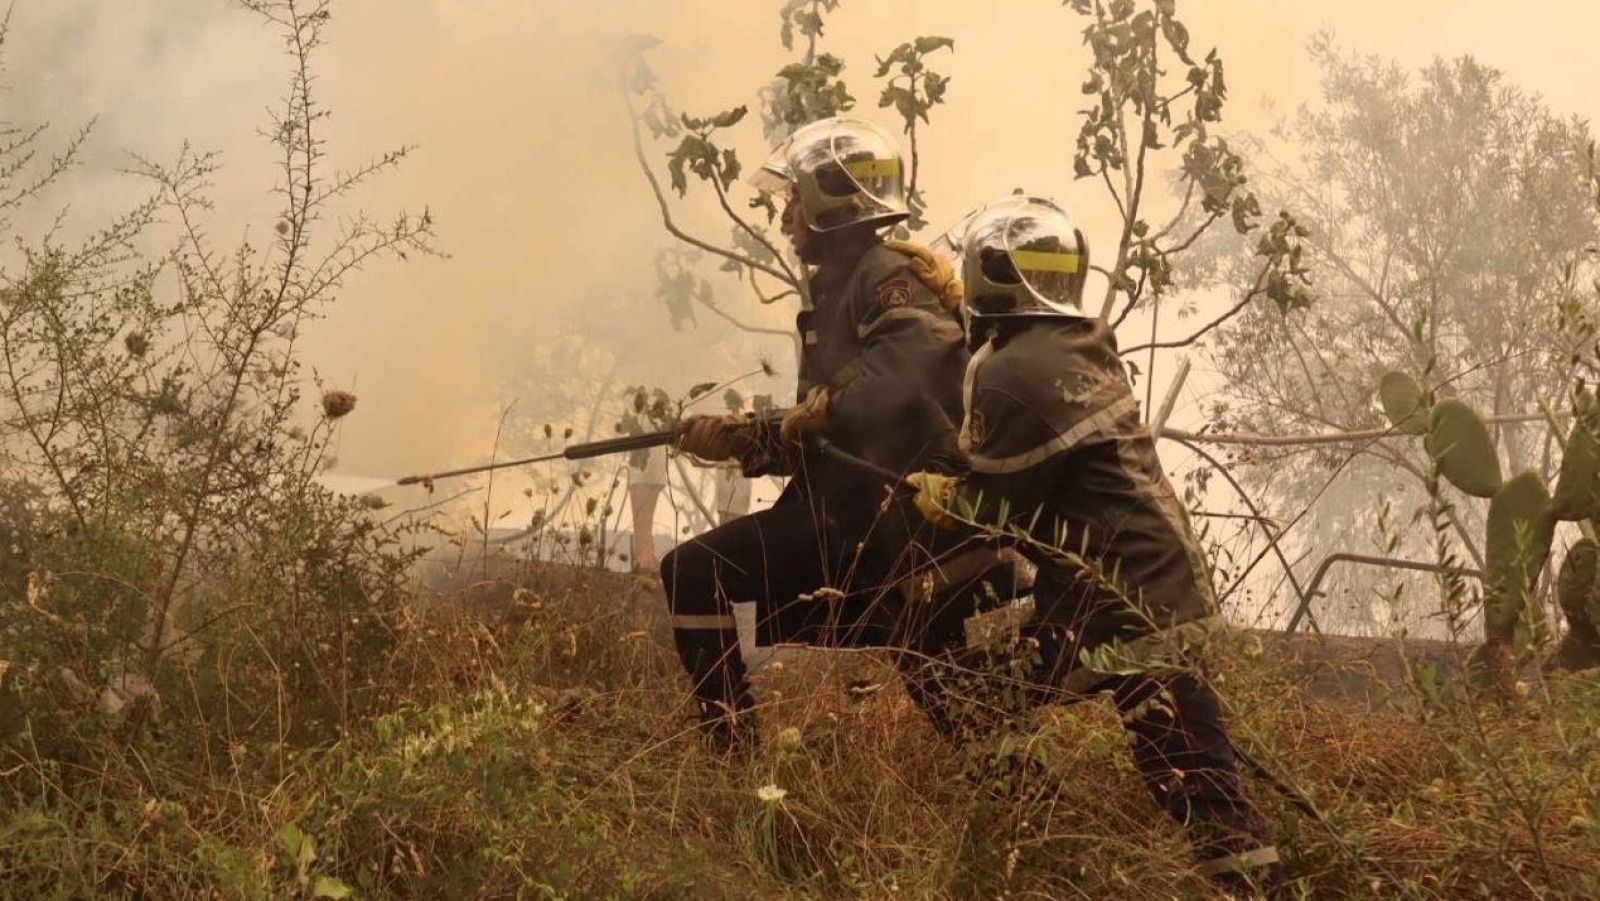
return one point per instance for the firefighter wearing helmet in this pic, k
(1056, 452)
(842, 172)
(882, 355)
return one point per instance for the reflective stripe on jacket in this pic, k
(1056, 448)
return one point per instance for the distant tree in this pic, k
(1450, 230)
(159, 431)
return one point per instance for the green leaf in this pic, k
(291, 838)
(302, 850)
(764, 201)
(729, 118)
(901, 55)
(329, 887)
(675, 163)
(700, 389)
(929, 43)
(786, 31)
(1177, 37)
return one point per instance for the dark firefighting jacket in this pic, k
(1057, 454)
(892, 355)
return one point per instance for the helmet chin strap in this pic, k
(821, 244)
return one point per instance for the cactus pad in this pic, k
(1580, 600)
(1459, 442)
(1575, 586)
(1578, 489)
(1519, 532)
(1404, 403)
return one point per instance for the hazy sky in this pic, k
(524, 157)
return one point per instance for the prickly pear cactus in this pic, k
(1577, 493)
(1404, 402)
(1575, 585)
(1520, 527)
(1578, 587)
(1519, 532)
(1459, 442)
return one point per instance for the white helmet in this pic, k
(1020, 256)
(846, 171)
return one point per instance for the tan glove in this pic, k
(714, 438)
(809, 417)
(933, 271)
(935, 494)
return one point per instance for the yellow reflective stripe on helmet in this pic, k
(873, 168)
(1046, 261)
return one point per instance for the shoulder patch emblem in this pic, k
(1078, 386)
(894, 291)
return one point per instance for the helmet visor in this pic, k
(1047, 254)
(950, 243)
(847, 170)
(774, 176)
(952, 240)
(993, 285)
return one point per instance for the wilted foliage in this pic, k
(185, 573)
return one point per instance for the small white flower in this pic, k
(771, 794)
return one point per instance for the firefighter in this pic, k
(1058, 462)
(880, 377)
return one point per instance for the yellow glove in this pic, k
(935, 494)
(933, 271)
(809, 417)
(713, 438)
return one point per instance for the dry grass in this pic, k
(539, 745)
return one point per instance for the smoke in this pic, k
(525, 161)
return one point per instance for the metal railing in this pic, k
(1314, 591)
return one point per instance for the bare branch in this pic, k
(722, 199)
(1254, 292)
(666, 210)
(1273, 540)
(743, 326)
(768, 300)
(683, 473)
(1358, 436)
